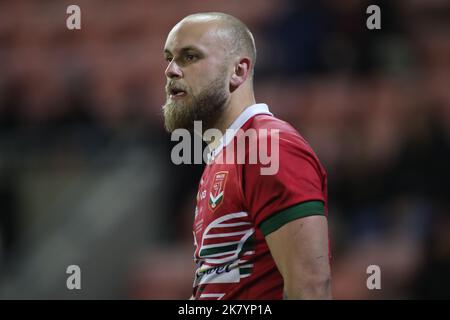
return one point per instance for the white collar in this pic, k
(249, 112)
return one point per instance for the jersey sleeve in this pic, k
(297, 190)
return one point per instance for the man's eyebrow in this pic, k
(183, 50)
(189, 48)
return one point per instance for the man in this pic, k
(256, 236)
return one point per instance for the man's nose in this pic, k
(173, 70)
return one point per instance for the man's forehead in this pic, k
(204, 34)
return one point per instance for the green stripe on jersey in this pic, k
(218, 249)
(244, 271)
(304, 209)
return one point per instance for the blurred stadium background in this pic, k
(85, 171)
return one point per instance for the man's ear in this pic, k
(240, 73)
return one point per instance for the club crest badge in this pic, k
(217, 190)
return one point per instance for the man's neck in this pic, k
(233, 110)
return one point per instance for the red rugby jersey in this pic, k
(237, 207)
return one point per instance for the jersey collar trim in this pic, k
(249, 112)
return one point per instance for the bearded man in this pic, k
(256, 236)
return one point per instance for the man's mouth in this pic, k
(176, 93)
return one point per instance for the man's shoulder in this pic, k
(286, 132)
(266, 121)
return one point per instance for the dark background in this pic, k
(85, 170)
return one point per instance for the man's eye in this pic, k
(168, 59)
(190, 57)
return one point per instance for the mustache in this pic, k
(172, 85)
